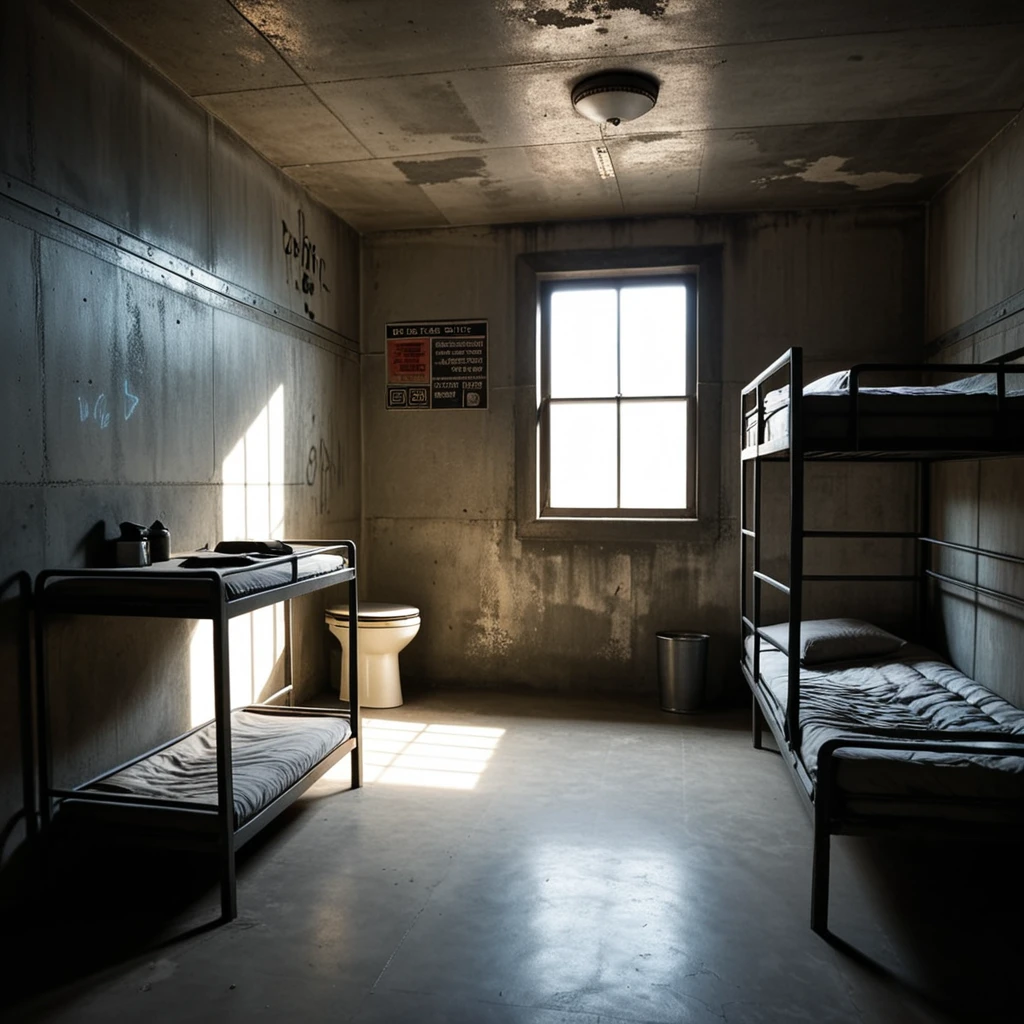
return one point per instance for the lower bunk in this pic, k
(899, 743)
(178, 794)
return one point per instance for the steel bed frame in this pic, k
(822, 796)
(167, 592)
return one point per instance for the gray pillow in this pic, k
(824, 640)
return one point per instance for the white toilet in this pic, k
(384, 630)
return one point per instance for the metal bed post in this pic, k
(353, 670)
(289, 660)
(28, 770)
(756, 608)
(755, 721)
(225, 788)
(796, 541)
(743, 538)
(924, 551)
(44, 746)
(822, 848)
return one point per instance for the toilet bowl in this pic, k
(384, 629)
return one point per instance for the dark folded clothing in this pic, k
(215, 560)
(254, 547)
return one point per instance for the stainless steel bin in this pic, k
(682, 670)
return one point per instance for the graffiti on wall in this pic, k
(99, 408)
(306, 269)
(320, 467)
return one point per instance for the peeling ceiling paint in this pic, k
(439, 172)
(578, 13)
(408, 114)
(828, 170)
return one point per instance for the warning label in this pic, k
(437, 364)
(408, 361)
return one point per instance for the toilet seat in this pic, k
(378, 613)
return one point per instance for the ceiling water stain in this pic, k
(439, 110)
(649, 8)
(828, 170)
(549, 17)
(441, 172)
(577, 13)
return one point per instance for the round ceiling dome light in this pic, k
(615, 96)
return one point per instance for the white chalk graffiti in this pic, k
(99, 412)
(130, 401)
(99, 409)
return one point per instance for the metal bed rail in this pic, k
(851, 445)
(828, 820)
(1000, 372)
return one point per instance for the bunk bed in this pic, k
(880, 736)
(217, 785)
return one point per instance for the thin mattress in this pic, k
(256, 580)
(910, 412)
(269, 754)
(169, 581)
(910, 689)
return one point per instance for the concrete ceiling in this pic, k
(416, 113)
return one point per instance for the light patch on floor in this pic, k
(419, 754)
(828, 170)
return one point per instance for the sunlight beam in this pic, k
(435, 756)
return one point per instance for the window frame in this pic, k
(712, 415)
(549, 283)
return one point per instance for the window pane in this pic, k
(654, 454)
(583, 454)
(654, 340)
(584, 363)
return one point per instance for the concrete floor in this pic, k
(524, 859)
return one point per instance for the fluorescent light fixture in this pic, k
(604, 162)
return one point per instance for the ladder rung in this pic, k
(772, 583)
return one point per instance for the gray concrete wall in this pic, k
(976, 264)
(161, 358)
(439, 487)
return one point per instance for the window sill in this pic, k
(612, 530)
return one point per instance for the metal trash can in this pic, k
(682, 670)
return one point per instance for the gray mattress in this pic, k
(269, 753)
(253, 581)
(911, 689)
(888, 413)
(168, 581)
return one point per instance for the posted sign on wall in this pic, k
(437, 364)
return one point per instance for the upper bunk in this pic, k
(973, 411)
(199, 585)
